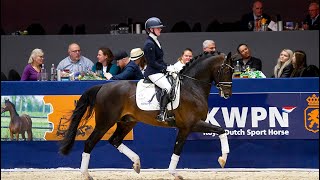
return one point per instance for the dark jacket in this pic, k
(130, 72)
(111, 68)
(154, 58)
(253, 63)
(249, 18)
(315, 25)
(286, 72)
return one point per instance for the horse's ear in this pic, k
(229, 55)
(229, 59)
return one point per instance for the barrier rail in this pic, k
(267, 122)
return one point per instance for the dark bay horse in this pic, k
(18, 124)
(115, 103)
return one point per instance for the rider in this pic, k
(156, 67)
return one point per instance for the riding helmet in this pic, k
(153, 22)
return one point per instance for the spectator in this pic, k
(210, 47)
(246, 59)
(284, 67)
(32, 70)
(75, 62)
(183, 59)
(155, 64)
(104, 64)
(251, 21)
(299, 62)
(137, 55)
(312, 21)
(129, 69)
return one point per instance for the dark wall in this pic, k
(15, 50)
(97, 15)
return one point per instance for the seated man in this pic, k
(251, 20)
(312, 21)
(247, 59)
(75, 62)
(210, 47)
(129, 69)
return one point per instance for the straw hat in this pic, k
(136, 53)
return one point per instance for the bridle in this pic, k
(222, 84)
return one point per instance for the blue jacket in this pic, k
(154, 57)
(130, 72)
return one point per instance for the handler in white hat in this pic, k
(137, 55)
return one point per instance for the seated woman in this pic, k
(299, 62)
(104, 64)
(284, 67)
(32, 70)
(185, 57)
(137, 55)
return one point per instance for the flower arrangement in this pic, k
(264, 21)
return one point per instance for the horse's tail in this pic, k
(85, 104)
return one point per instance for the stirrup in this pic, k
(161, 118)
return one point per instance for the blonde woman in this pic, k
(185, 57)
(284, 67)
(32, 70)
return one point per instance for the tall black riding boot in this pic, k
(164, 99)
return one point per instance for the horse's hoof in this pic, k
(222, 162)
(178, 177)
(136, 166)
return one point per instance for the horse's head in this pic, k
(5, 107)
(224, 77)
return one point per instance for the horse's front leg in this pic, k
(202, 126)
(17, 136)
(11, 136)
(180, 140)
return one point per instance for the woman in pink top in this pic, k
(32, 70)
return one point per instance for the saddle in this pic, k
(148, 94)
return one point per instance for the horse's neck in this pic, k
(13, 112)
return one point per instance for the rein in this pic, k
(210, 84)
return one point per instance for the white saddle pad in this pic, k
(146, 97)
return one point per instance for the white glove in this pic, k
(171, 69)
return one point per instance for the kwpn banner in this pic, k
(264, 116)
(49, 116)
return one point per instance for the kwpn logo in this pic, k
(288, 109)
(311, 114)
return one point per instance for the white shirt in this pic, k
(179, 65)
(155, 38)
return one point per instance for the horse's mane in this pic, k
(7, 101)
(197, 58)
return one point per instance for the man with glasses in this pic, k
(75, 62)
(252, 20)
(129, 69)
(312, 21)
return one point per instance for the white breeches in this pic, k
(160, 80)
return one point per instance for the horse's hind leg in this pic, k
(202, 126)
(23, 135)
(123, 128)
(29, 132)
